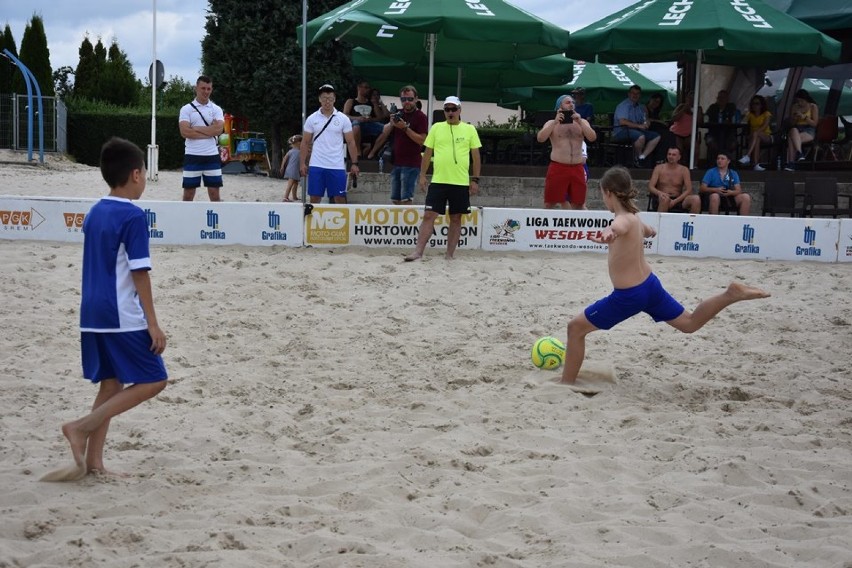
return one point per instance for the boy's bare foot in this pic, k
(77, 440)
(741, 292)
(413, 256)
(449, 257)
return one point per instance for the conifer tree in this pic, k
(36, 56)
(118, 84)
(7, 68)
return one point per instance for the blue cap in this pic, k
(559, 101)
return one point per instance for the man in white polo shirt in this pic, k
(201, 122)
(325, 133)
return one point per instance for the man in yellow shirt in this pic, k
(454, 145)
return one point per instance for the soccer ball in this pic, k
(548, 353)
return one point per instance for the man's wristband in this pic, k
(354, 164)
(475, 178)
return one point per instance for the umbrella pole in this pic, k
(458, 81)
(431, 38)
(693, 143)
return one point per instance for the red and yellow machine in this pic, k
(238, 143)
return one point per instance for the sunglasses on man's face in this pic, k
(406, 99)
(451, 109)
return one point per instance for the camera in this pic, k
(396, 114)
(567, 116)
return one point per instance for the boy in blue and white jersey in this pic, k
(121, 341)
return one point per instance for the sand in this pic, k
(332, 408)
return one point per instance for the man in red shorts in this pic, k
(565, 184)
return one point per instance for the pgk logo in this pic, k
(74, 221)
(21, 220)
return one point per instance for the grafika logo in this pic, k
(151, 220)
(687, 232)
(748, 238)
(274, 222)
(809, 239)
(21, 220)
(212, 232)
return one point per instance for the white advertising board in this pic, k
(552, 230)
(748, 238)
(384, 226)
(43, 218)
(844, 247)
(169, 222)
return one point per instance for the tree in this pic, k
(36, 56)
(87, 72)
(256, 63)
(118, 84)
(7, 68)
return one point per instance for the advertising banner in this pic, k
(169, 222)
(551, 230)
(43, 219)
(844, 248)
(384, 226)
(755, 238)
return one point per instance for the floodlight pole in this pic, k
(153, 149)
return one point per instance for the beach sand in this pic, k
(341, 408)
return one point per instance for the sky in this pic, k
(180, 29)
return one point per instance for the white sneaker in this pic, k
(745, 160)
(759, 168)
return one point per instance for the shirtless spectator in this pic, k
(565, 184)
(670, 187)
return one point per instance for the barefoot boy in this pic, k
(637, 289)
(120, 338)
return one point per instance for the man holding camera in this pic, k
(408, 126)
(565, 183)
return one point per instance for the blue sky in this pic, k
(180, 28)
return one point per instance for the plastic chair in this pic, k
(822, 198)
(825, 135)
(779, 196)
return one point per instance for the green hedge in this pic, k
(87, 132)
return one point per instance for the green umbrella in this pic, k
(745, 33)
(818, 90)
(823, 14)
(605, 84)
(482, 82)
(440, 31)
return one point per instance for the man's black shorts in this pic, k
(439, 194)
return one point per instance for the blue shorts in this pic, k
(403, 183)
(634, 134)
(125, 356)
(322, 180)
(198, 169)
(649, 297)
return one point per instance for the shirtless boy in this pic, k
(636, 288)
(565, 183)
(671, 187)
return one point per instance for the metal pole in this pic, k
(153, 150)
(431, 39)
(26, 73)
(693, 143)
(304, 80)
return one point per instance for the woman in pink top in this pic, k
(682, 125)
